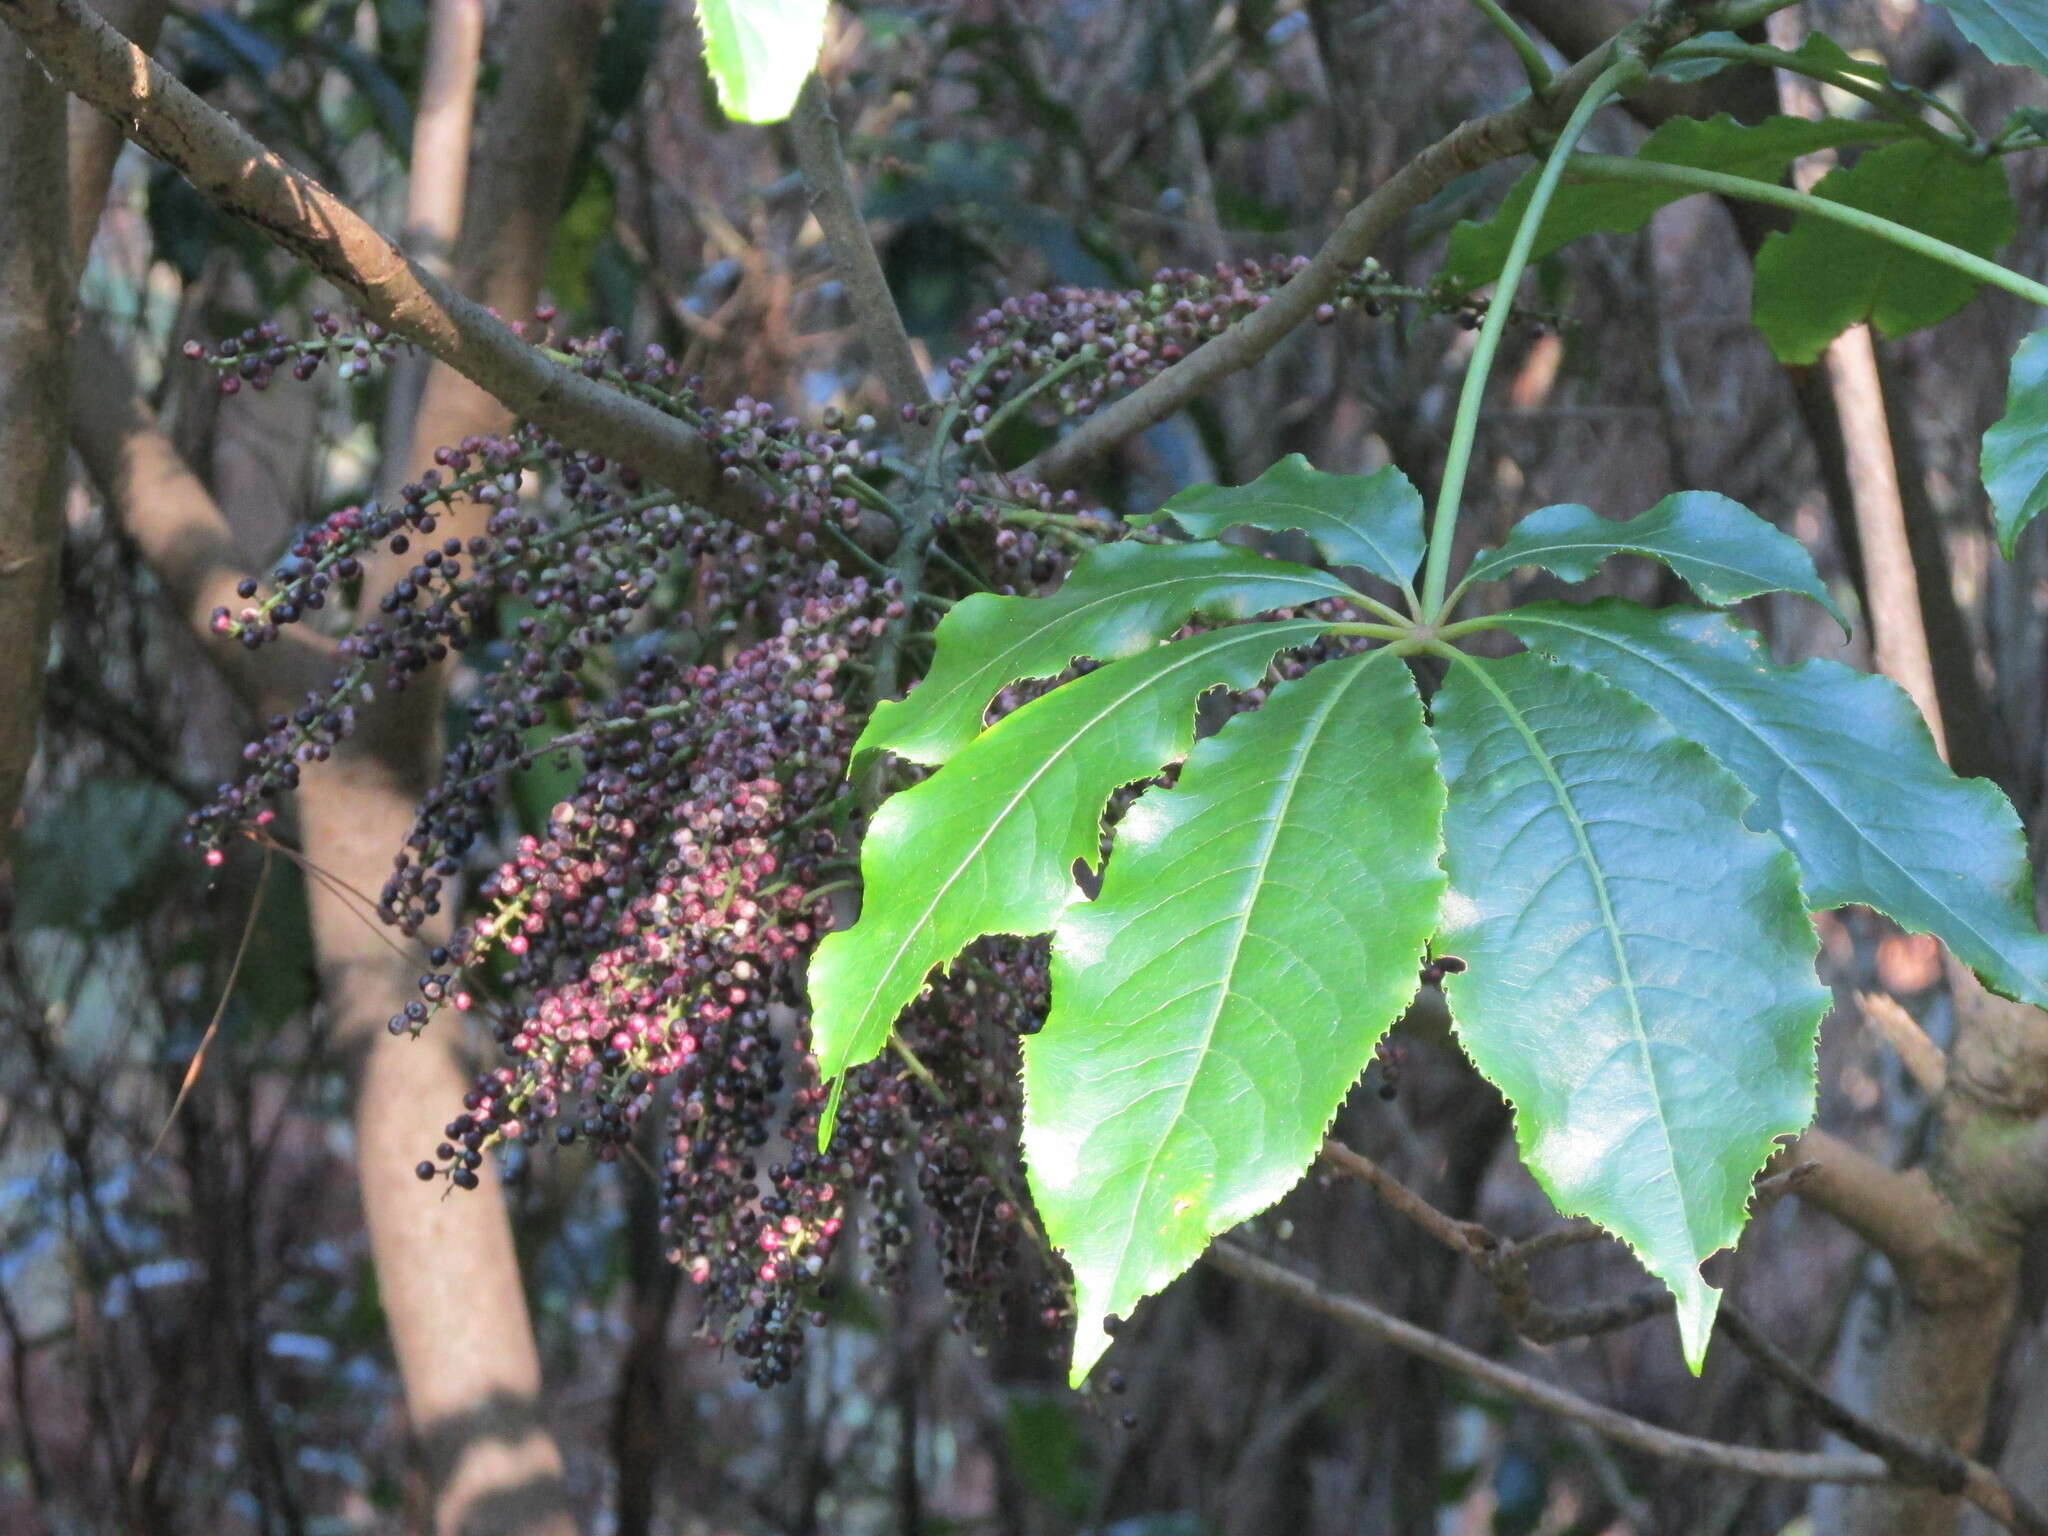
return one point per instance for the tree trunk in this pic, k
(35, 321)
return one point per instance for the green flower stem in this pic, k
(1621, 168)
(1371, 631)
(1444, 526)
(1005, 412)
(1890, 101)
(1531, 56)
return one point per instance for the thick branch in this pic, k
(1898, 1213)
(95, 141)
(1370, 1322)
(243, 178)
(1483, 140)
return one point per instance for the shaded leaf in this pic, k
(1724, 551)
(1818, 278)
(95, 860)
(1842, 768)
(988, 844)
(1763, 150)
(1259, 927)
(1639, 976)
(1120, 599)
(760, 52)
(1373, 521)
(2008, 31)
(2015, 461)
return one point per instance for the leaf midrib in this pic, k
(1608, 922)
(1289, 785)
(1483, 571)
(1112, 598)
(1225, 639)
(1795, 770)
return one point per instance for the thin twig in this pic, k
(198, 1061)
(1913, 1461)
(1363, 1318)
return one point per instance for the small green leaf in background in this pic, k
(1639, 978)
(1761, 151)
(760, 52)
(1373, 521)
(2008, 31)
(2015, 461)
(1120, 599)
(98, 859)
(1724, 551)
(1259, 927)
(1818, 278)
(1843, 769)
(988, 844)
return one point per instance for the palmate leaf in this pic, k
(1763, 151)
(2015, 459)
(1721, 548)
(1639, 976)
(988, 844)
(1120, 599)
(1371, 521)
(1259, 927)
(1818, 278)
(760, 52)
(1842, 768)
(2008, 31)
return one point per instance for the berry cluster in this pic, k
(1074, 347)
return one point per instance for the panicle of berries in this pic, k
(255, 356)
(964, 1112)
(1074, 347)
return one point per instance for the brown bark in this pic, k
(95, 138)
(35, 318)
(448, 1273)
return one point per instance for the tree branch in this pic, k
(1370, 1322)
(815, 132)
(241, 177)
(1481, 141)
(1919, 1462)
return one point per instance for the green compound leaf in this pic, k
(988, 844)
(1639, 976)
(1721, 548)
(1763, 151)
(2016, 449)
(760, 52)
(1818, 278)
(1259, 927)
(1842, 768)
(1373, 521)
(1120, 599)
(2008, 31)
